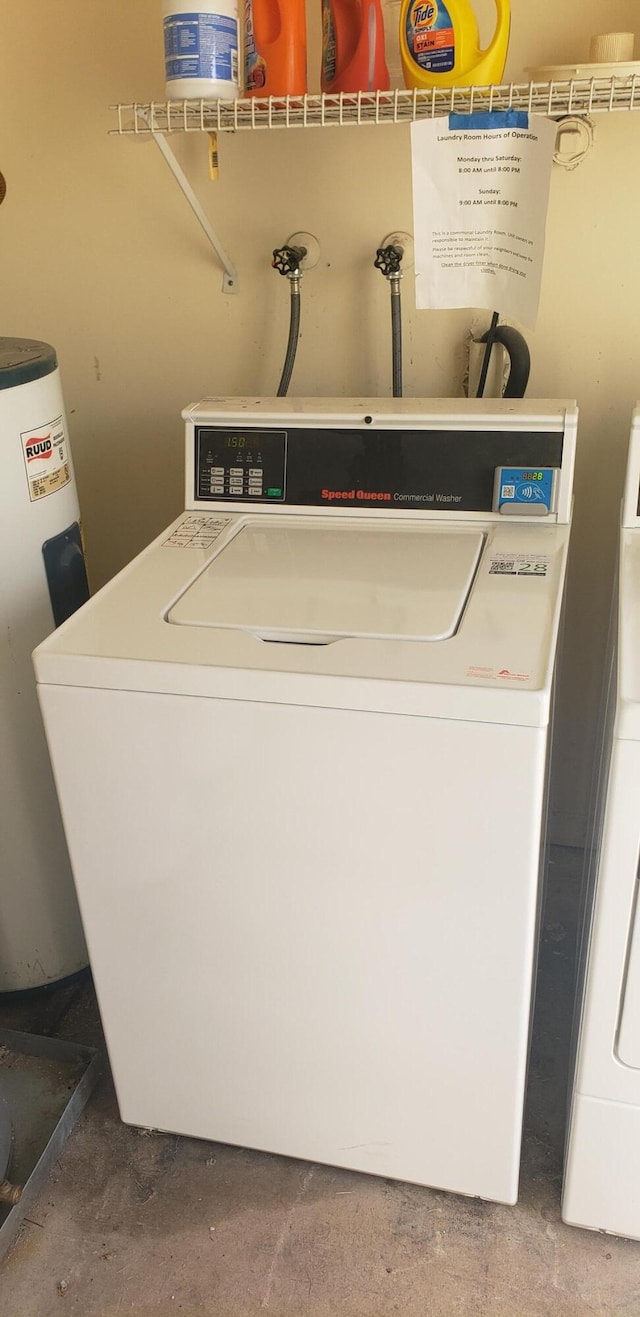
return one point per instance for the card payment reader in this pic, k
(524, 493)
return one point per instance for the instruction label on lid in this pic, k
(196, 532)
(46, 458)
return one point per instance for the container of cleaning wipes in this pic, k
(201, 49)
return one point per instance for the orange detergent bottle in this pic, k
(440, 44)
(353, 46)
(275, 48)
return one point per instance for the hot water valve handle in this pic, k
(287, 260)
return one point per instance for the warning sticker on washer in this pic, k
(519, 564)
(497, 674)
(196, 533)
(46, 458)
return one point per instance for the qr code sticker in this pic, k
(508, 491)
(503, 567)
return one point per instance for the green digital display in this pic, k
(237, 441)
(533, 475)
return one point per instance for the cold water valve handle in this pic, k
(287, 260)
(389, 261)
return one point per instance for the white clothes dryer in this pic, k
(602, 1170)
(301, 745)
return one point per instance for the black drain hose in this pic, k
(519, 357)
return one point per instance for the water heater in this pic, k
(42, 581)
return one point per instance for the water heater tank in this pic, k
(42, 581)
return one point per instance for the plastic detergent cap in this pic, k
(23, 360)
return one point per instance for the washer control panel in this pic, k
(439, 470)
(241, 464)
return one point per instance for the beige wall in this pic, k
(100, 255)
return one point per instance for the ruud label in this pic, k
(46, 459)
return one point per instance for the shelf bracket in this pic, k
(230, 275)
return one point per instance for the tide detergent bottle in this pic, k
(440, 44)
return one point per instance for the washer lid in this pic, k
(317, 583)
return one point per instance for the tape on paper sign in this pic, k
(486, 119)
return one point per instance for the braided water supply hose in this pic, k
(288, 261)
(389, 261)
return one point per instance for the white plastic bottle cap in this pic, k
(612, 48)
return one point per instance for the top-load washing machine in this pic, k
(602, 1170)
(301, 747)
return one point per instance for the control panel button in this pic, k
(217, 471)
(255, 471)
(236, 471)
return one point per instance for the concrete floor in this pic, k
(157, 1225)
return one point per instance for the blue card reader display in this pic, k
(524, 492)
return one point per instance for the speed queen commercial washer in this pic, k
(602, 1172)
(301, 748)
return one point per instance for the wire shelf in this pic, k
(579, 96)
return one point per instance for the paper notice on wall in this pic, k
(480, 198)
